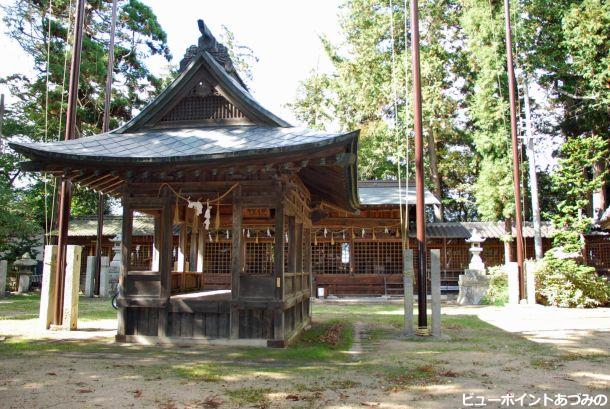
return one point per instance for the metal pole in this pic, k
(105, 127)
(513, 131)
(532, 171)
(420, 221)
(66, 185)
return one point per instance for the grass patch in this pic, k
(200, 372)
(27, 306)
(325, 341)
(19, 307)
(544, 363)
(250, 396)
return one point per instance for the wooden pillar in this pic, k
(236, 259)
(166, 238)
(125, 261)
(278, 319)
(193, 250)
(352, 252)
(308, 284)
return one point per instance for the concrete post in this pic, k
(530, 270)
(435, 290)
(105, 277)
(47, 290)
(512, 270)
(73, 261)
(90, 276)
(408, 272)
(3, 272)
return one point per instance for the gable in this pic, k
(204, 94)
(204, 104)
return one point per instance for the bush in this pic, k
(498, 287)
(565, 283)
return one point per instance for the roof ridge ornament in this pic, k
(207, 42)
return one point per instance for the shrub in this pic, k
(565, 283)
(498, 287)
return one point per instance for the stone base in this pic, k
(24, 284)
(473, 286)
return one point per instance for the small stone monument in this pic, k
(109, 278)
(473, 284)
(25, 269)
(3, 271)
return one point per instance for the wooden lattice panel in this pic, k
(218, 258)
(141, 257)
(196, 107)
(377, 257)
(259, 258)
(326, 259)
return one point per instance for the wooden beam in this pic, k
(236, 260)
(125, 261)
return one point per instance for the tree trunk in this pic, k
(436, 178)
(599, 196)
(531, 158)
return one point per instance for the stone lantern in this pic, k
(473, 284)
(115, 264)
(25, 269)
(476, 263)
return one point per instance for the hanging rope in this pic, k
(46, 122)
(405, 225)
(395, 110)
(61, 107)
(188, 199)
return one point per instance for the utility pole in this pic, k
(420, 221)
(66, 185)
(531, 159)
(105, 128)
(513, 131)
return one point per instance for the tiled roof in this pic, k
(184, 144)
(388, 192)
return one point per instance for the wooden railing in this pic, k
(186, 281)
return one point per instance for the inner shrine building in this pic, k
(204, 158)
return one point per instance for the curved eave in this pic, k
(41, 155)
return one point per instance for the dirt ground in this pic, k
(355, 356)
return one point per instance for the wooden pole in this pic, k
(105, 127)
(420, 221)
(66, 185)
(515, 148)
(531, 159)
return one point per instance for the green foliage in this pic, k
(565, 283)
(586, 28)
(360, 94)
(138, 36)
(488, 107)
(574, 179)
(17, 224)
(243, 56)
(498, 287)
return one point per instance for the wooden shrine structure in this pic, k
(207, 159)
